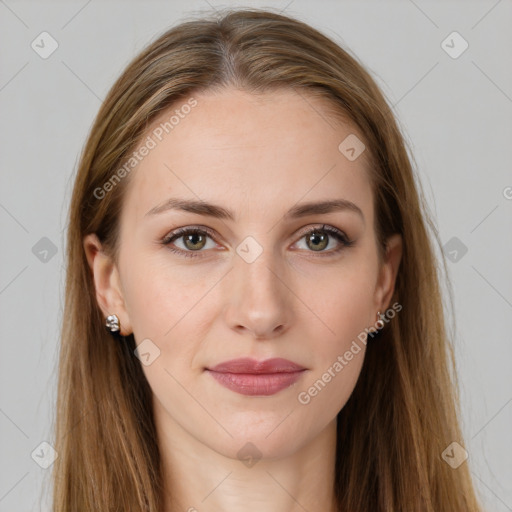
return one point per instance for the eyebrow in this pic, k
(219, 212)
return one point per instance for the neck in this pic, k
(198, 478)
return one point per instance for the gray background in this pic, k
(456, 114)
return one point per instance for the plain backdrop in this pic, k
(453, 103)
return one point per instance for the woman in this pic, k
(253, 318)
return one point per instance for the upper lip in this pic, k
(247, 365)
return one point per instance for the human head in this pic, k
(263, 54)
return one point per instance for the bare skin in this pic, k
(300, 299)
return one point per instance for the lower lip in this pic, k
(262, 384)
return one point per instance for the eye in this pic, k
(194, 239)
(317, 240)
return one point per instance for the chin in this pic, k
(263, 435)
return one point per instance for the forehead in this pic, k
(256, 154)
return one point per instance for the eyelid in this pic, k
(175, 234)
(322, 227)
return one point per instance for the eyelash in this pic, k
(175, 235)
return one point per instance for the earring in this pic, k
(112, 323)
(379, 321)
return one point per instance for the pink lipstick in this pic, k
(250, 377)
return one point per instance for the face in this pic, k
(263, 276)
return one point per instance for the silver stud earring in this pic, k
(112, 323)
(380, 321)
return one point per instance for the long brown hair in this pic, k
(404, 410)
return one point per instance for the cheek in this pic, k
(342, 300)
(160, 296)
(327, 391)
(338, 356)
(173, 306)
(338, 347)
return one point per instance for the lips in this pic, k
(246, 365)
(256, 378)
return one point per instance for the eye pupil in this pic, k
(317, 236)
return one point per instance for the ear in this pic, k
(106, 282)
(388, 272)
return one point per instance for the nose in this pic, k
(259, 300)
